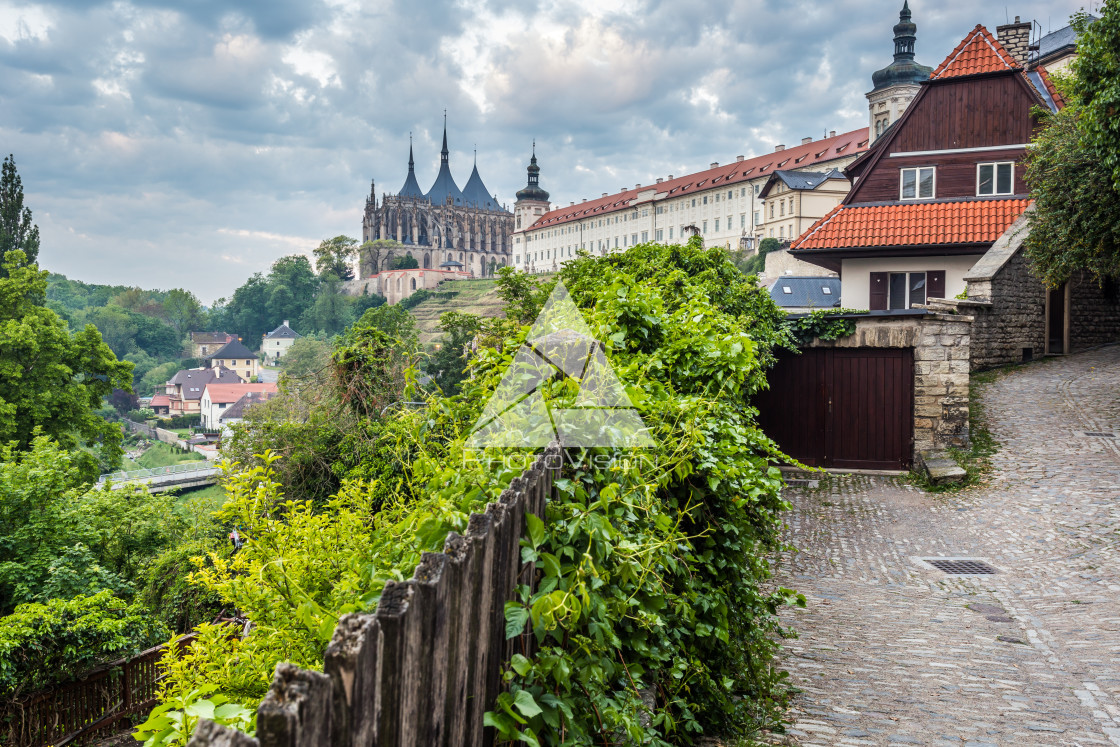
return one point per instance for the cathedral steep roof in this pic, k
(476, 195)
(444, 186)
(411, 188)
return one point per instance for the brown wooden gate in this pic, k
(840, 407)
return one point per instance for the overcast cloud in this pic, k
(191, 143)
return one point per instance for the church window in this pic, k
(517, 259)
(660, 210)
(705, 199)
(757, 218)
(657, 235)
(645, 236)
(519, 221)
(705, 228)
(717, 224)
(633, 239)
(730, 194)
(670, 233)
(693, 202)
(756, 189)
(615, 242)
(742, 220)
(645, 212)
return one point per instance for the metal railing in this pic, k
(153, 474)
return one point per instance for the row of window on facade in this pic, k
(920, 183)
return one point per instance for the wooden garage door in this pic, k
(847, 408)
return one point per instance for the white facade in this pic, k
(855, 275)
(720, 204)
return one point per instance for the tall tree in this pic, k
(1097, 84)
(333, 256)
(50, 379)
(182, 310)
(372, 255)
(17, 232)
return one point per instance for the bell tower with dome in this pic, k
(532, 201)
(897, 84)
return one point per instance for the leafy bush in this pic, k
(43, 644)
(181, 421)
(173, 721)
(822, 325)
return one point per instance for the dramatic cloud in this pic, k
(192, 143)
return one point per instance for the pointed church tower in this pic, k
(444, 188)
(897, 84)
(532, 201)
(410, 188)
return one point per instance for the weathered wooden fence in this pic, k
(83, 711)
(424, 668)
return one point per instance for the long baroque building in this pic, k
(735, 205)
(457, 230)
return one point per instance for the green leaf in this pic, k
(520, 664)
(524, 702)
(517, 615)
(536, 530)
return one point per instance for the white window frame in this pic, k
(995, 178)
(917, 182)
(907, 274)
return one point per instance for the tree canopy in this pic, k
(17, 232)
(1073, 166)
(51, 381)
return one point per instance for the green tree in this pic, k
(332, 257)
(308, 356)
(1075, 223)
(524, 294)
(448, 365)
(50, 379)
(1096, 85)
(182, 310)
(43, 644)
(372, 254)
(331, 311)
(403, 262)
(17, 232)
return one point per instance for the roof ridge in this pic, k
(944, 70)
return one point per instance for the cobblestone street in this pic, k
(891, 652)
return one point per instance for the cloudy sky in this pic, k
(191, 143)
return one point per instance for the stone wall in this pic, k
(942, 348)
(1094, 313)
(780, 262)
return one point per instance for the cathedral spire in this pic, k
(411, 188)
(443, 153)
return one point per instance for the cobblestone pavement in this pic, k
(894, 653)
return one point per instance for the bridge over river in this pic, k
(158, 479)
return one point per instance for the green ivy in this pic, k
(820, 325)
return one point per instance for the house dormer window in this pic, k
(917, 184)
(995, 178)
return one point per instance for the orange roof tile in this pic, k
(1044, 74)
(979, 52)
(846, 144)
(917, 224)
(233, 392)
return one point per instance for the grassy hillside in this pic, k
(468, 296)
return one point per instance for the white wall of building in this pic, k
(855, 275)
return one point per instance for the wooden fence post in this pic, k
(431, 579)
(209, 734)
(352, 662)
(500, 538)
(296, 712)
(460, 571)
(399, 615)
(480, 532)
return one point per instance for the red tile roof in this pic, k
(1044, 74)
(233, 392)
(916, 224)
(161, 400)
(799, 156)
(979, 52)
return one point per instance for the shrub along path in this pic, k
(894, 653)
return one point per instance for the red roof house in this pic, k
(942, 184)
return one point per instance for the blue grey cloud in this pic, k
(192, 143)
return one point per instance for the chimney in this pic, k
(659, 180)
(740, 159)
(670, 176)
(1015, 38)
(832, 133)
(779, 148)
(583, 199)
(806, 140)
(637, 186)
(571, 203)
(604, 194)
(285, 322)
